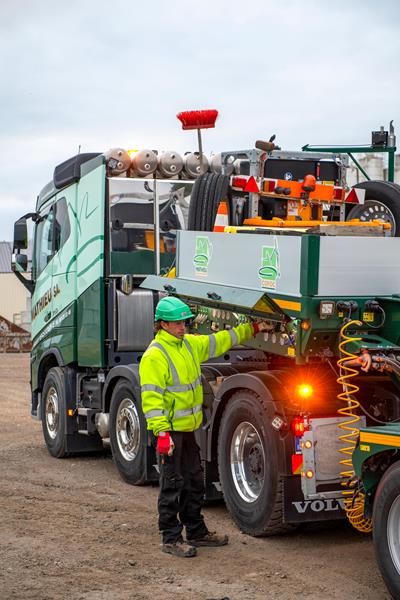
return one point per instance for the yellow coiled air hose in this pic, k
(353, 498)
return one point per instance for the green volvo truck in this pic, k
(281, 413)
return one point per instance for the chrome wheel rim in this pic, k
(128, 429)
(52, 413)
(393, 533)
(247, 462)
(373, 209)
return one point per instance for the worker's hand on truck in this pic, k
(262, 326)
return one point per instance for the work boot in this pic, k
(210, 539)
(180, 548)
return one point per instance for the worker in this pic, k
(172, 398)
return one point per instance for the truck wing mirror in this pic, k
(19, 263)
(20, 234)
(21, 231)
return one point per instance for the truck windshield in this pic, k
(131, 205)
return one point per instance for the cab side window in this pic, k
(43, 242)
(62, 227)
(52, 231)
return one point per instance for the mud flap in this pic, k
(298, 510)
(77, 443)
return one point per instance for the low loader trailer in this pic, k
(282, 414)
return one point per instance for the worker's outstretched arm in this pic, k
(211, 346)
(153, 371)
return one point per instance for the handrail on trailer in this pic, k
(388, 148)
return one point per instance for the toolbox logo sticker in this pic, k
(269, 272)
(202, 255)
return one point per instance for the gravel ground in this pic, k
(73, 529)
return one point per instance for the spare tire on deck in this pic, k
(208, 191)
(382, 201)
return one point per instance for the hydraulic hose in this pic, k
(353, 496)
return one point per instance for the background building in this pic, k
(15, 300)
(376, 167)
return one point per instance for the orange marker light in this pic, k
(70, 412)
(305, 325)
(309, 183)
(310, 474)
(305, 390)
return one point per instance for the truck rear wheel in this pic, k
(248, 467)
(208, 191)
(128, 434)
(386, 528)
(53, 413)
(382, 201)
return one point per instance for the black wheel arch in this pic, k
(266, 386)
(130, 373)
(49, 359)
(373, 468)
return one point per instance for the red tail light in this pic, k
(269, 185)
(338, 193)
(239, 182)
(298, 426)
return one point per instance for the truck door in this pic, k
(43, 273)
(64, 271)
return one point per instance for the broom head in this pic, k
(198, 119)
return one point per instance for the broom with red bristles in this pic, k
(198, 119)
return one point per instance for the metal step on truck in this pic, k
(115, 230)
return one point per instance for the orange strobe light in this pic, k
(305, 390)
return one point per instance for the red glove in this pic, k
(164, 442)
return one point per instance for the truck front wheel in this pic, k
(128, 434)
(386, 528)
(53, 413)
(248, 467)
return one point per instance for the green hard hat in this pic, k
(172, 309)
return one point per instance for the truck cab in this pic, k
(93, 244)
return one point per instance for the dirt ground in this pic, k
(73, 529)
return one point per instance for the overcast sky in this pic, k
(101, 74)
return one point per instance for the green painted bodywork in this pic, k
(65, 288)
(309, 265)
(370, 477)
(138, 262)
(90, 330)
(69, 295)
(60, 334)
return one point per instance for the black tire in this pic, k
(386, 523)
(253, 494)
(382, 201)
(208, 191)
(128, 434)
(54, 413)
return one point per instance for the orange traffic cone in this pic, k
(222, 219)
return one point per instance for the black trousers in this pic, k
(181, 490)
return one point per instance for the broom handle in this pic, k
(200, 150)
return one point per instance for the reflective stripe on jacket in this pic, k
(170, 376)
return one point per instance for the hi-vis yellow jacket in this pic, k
(170, 376)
